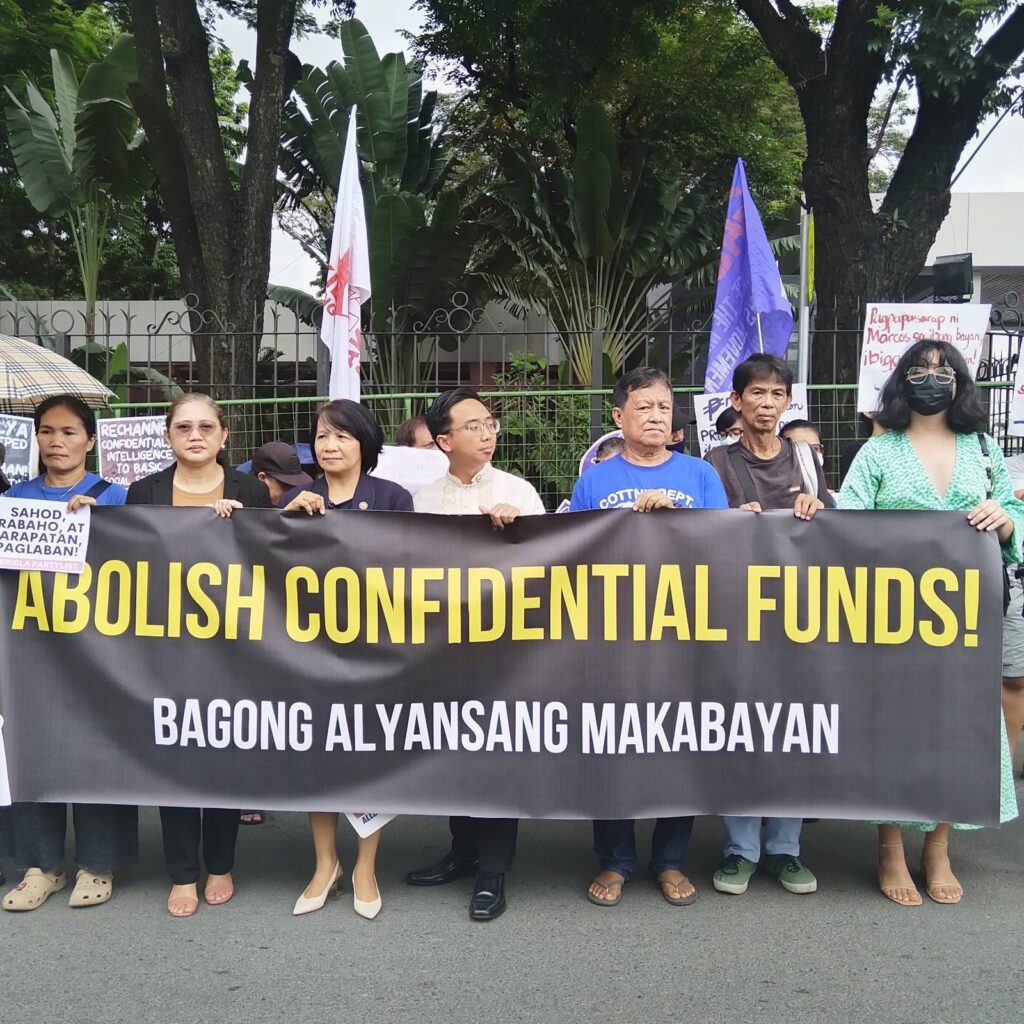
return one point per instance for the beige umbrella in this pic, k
(30, 373)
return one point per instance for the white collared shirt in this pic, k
(449, 496)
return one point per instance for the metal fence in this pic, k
(548, 418)
(545, 431)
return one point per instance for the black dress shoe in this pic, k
(488, 900)
(447, 869)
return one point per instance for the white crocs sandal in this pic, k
(34, 889)
(91, 889)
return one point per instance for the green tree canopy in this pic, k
(958, 58)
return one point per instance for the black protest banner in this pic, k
(587, 665)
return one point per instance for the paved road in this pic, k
(844, 954)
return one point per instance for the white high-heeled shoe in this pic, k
(367, 908)
(307, 904)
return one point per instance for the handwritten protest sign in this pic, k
(42, 535)
(17, 434)
(891, 327)
(707, 408)
(132, 447)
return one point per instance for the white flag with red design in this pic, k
(348, 277)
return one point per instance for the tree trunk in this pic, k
(863, 255)
(221, 226)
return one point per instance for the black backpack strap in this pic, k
(983, 443)
(97, 489)
(739, 466)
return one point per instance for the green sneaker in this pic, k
(733, 874)
(791, 873)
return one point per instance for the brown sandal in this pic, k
(930, 886)
(888, 890)
(615, 883)
(677, 900)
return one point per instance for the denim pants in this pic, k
(743, 836)
(106, 837)
(615, 845)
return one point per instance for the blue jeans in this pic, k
(743, 836)
(615, 845)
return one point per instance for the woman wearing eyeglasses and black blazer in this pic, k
(197, 433)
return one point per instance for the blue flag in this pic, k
(749, 290)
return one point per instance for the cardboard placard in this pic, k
(891, 327)
(131, 447)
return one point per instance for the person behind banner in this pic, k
(106, 837)
(277, 465)
(197, 434)
(805, 431)
(466, 432)
(646, 476)
(935, 455)
(414, 433)
(346, 444)
(729, 426)
(763, 471)
(608, 449)
(677, 442)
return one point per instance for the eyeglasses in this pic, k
(184, 429)
(477, 428)
(942, 374)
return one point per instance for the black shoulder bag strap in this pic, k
(739, 466)
(97, 489)
(989, 491)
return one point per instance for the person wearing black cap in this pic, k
(277, 465)
(677, 442)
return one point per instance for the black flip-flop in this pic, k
(679, 901)
(597, 901)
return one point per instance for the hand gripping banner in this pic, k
(590, 665)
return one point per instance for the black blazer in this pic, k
(371, 494)
(158, 488)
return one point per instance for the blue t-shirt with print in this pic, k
(616, 483)
(115, 494)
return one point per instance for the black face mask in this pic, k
(930, 396)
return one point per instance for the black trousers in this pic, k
(490, 841)
(185, 828)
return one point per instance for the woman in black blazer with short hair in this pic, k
(346, 444)
(197, 433)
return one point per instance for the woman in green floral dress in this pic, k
(931, 457)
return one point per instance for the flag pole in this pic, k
(803, 333)
(760, 339)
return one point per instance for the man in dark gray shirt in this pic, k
(763, 471)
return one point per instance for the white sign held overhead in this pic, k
(890, 328)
